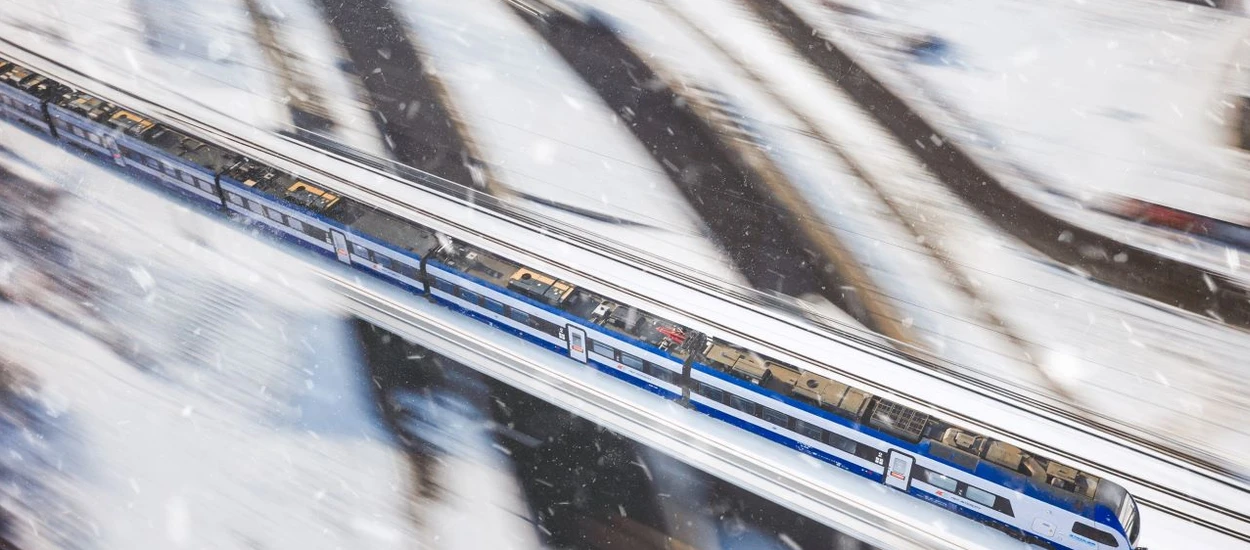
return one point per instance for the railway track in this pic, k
(1149, 492)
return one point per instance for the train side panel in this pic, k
(24, 108)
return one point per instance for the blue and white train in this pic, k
(1034, 498)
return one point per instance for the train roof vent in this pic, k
(544, 288)
(15, 75)
(308, 196)
(899, 420)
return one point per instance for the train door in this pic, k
(340, 246)
(110, 143)
(577, 342)
(898, 470)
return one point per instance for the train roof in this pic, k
(132, 123)
(284, 186)
(193, 150)
(87, 105)
(633, 322)
(17, 76)
(387, 228)
(945, 441)
(488, 266)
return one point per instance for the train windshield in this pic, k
(1128, 518)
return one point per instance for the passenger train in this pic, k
(1029, 496)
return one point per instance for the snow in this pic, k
(546, 134)
(208, 395)
(587, 162)
(148, 45)
(1145, 360)
(474, 483)
(1077, 103)
(315, 50)
(907, 279)
(1136, 364)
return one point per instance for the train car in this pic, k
(24, 94)
(337, 226)
(81, 119)
(1034, 498)
(178, 160)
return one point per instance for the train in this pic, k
(1031, 497)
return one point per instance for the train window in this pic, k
(870, 453)
(295, 224)
(776, 417)
(665, 374)
(956, 456)
(810, 431)
(315, 232)
(187, 178)
(1098, 536)
(94, 138)
(743, 404)
(631, 361)
(547, 327)
(360, 251)
(206, 186)
(256, 207)
(235, 198)
(1003, 505)
(78, 132)
(382, 261)
(984, 498)
(275, 215)
(841, 443)
(467, 295)
(711, 392)
(519, 316)
(940, 481)
(493, 306)
(600, 348)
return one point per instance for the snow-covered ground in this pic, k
(565, 148)
(224, 412)
(1167, 374)
(1079, 104)
(314, 51)
(186, 385)
(940, 319)
(108, 194)
(213, 63)
(547, 135)
(1074, 342)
